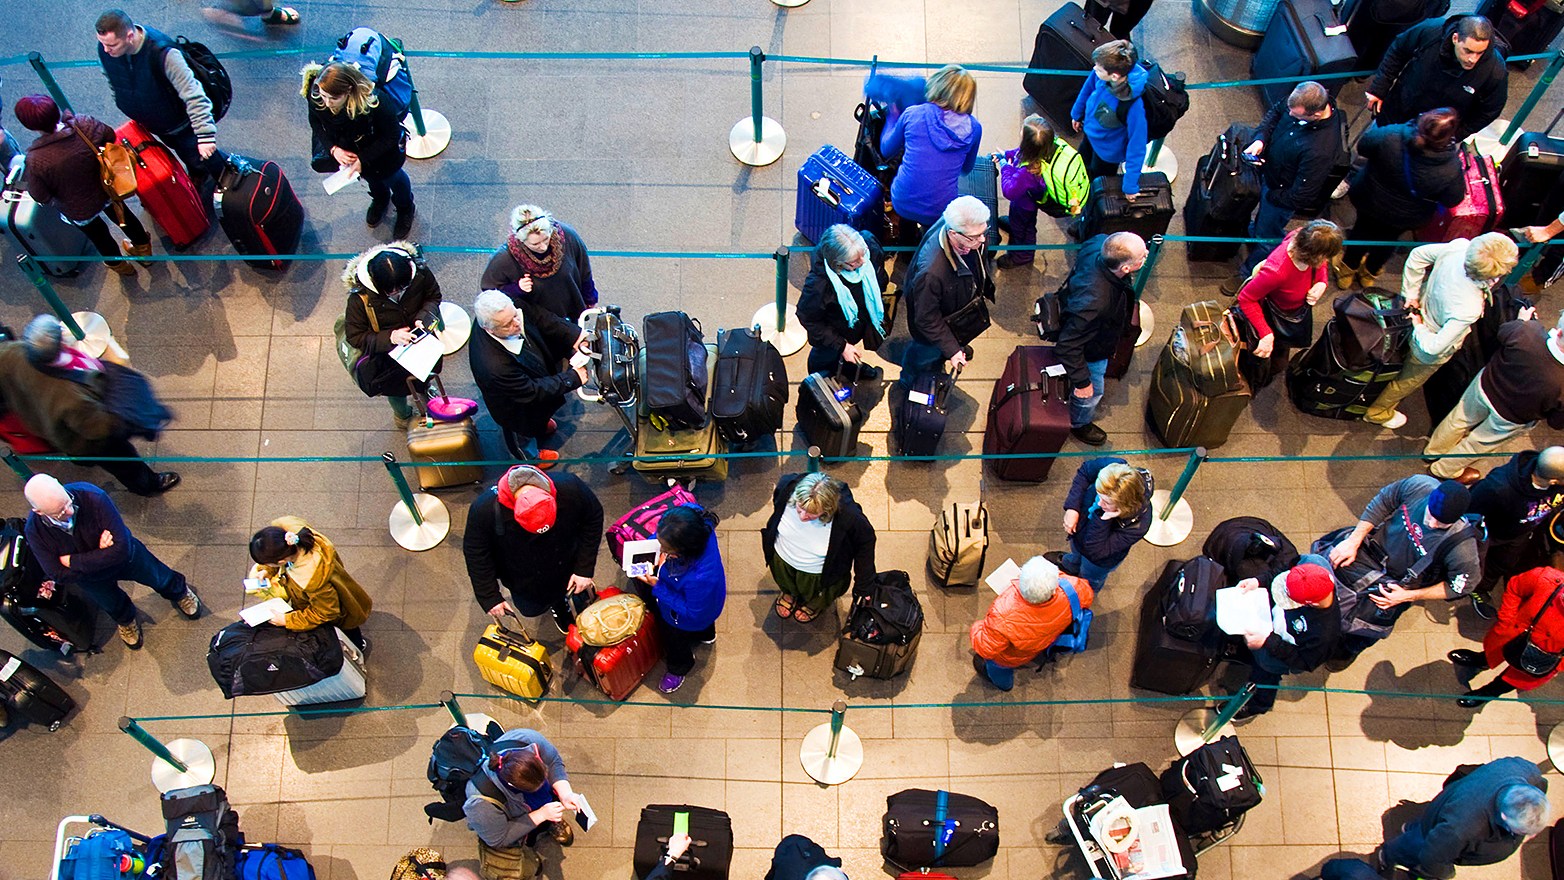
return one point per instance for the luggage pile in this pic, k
(1360, 351)
(1197, 391)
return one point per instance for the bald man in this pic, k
(80, 539)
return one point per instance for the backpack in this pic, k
(96, 856)
(201, 837)
(210, 73)
(1189, 599)
(457, 758)
(1212, 786)
(382, 61)
(885, 611)
(1072, 640)
(1165, 101)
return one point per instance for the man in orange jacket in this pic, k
(1025, 620)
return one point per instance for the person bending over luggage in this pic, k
(538, 536)
(1297, 143)
(1446, 289)
(688, 589)
(1305, 627)
(519, 364)
(302, 566)
(1097, 301)
(948, 272)
(1533, 607)
(816, 544)
(1278, 299)
(1113, 133)
(1044, 174)
(392, 295)
(353, 125)
(1478, 818)
(1514, 499)
(938, 142)
(1025, 620)
(521, 793)
(543, 262)
(1452, 63)
(63, 173)
(799, 858)
(61, 396)
(1107, 511)
(79, 539)
(1410, 170)
(841, 306)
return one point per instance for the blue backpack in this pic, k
(96, 856)
(268, 861)
(1073, 640)
(379, 59)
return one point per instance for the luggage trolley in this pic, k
(132, 851)
(1138, 785)
(615, 375)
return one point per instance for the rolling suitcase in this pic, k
(432, 443)
(884, 626)
(617, 669)
(1212, 787)
(828, 415)
(1124, 352)
(983, 183)
(1224, 196)
(1360, 351)
(1189, 600)
(750, 389)
(938, 829)
(1531, 179)
(163, 186)
(923, 414)
(1481, 211)
(59, 621)
(681, 452)
(1373, 25)
(31, 694)
(833, 189)
(676, 378)
(1197, 392)
(1528, 26)
(1304, 40)
(42, 231)
(1065, 41)
(1163, 663)
(1028, 412)
(512, 661)
(258, 210)
(711, 842)
(347, 684)
(860, 659)
(1107, 210)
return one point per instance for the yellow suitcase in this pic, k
(433, 444)
(513, 661)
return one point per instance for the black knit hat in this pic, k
(388, 271)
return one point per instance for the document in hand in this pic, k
(1243, 611)
(420, 357)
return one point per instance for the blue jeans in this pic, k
(920, 359)
(1406, 848)
(1096, 575)
(1002, 677)
(143, 568)
(1081, 411)
(1265, 670)
(1269, 222)
(398, 188)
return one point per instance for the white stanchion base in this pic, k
(825, 769)
(1148, 325)
(477, 721)
(434, 140)
(741, 141)
(1174, 529)
(415, 537)
(789, 4)
(791, 338)
(1486, 142)
(1187, 736)
(193, 754)
(98, 334)
(1167, 163)
(1556, 745)
(458, 327)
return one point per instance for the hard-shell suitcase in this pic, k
(640, 522)
(1373, 25)
(958, 544)
(513, 661)
(1360, 351)
(1028, 412)
(1210, 788)
(258, 210)
(1163, 663)
(938, 829)
(982, 182)
(833, 189)
(1531, 179)
(828, 415)
(681, 452)
(676, 375)
(31, 694)
(1197, 392)
(1481, 211)
(1303, 41)
(617, 669)
(1223, 196)
(1065, 41)
(59, 621)
(432, 443)
(347, 684)
(711, 842)
(750, 389)
(163, 186)
(920, 422)
(1107, 210)
(42, 231)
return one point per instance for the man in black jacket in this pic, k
(1303, 637)
(1514, 498)
(538, 536)
(1481, 818)
(1095, 309)
(949, 271)
(1299, 141)
(1451, 63)
(516, 363)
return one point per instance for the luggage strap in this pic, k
(944, 828)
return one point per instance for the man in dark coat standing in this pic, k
(516, 363)
(1097, 299)
(1514, 499)
(1442, 63)
(1479, 819)
(949, 271)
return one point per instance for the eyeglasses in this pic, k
(969, 239)
(66, 511)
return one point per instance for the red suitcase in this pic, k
(164, 187)
(1481, 211)
(617, 670)
(1029, 411)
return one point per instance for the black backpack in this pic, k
(458, 758)
(1164, 98)
(210, 73)
(1189, 599)
(1250, 547)
(200, 839)
(885, 611)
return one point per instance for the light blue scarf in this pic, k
(871, 296)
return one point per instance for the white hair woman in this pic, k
(841, 305)
(543, 262)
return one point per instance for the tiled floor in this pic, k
(633, 154)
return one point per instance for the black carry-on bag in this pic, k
(1065, 41)
(676, 376)
(749, 390)
(938, 829)
(923, 415)
(1223, 197)
(711, 841)
(827, 413)
(1212, 787)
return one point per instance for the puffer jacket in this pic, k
(421, 302)
(62, 173)
(1401, 185)
(1113, 139)
(1420, 72)
(1014, 630)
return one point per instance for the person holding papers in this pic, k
(522, 792)
(353, 125)
(393, 297)
(1305, 627)
(519, 363)
(301, 566)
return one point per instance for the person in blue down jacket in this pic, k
(1107, 511)
(938, 142)
(1479, 819)
(687, 591)
(1112, 135)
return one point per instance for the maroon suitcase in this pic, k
(1119, 363)
(164, 187)
(618, 669)
(1029, 412)
(1481, 211)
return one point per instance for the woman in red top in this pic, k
(1536, 595)
(1278, 298)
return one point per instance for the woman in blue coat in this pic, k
(1107, 511)
(938, 142)
(688, 590)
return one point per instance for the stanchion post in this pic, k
(36, 60)
(1525, 263)
(35, 274)
(777, 321)
(1158, 159)
(1153, 151)
(430, 130)
(1173, 518)
(1225, 715)
(1153, 254)
(1544, 82)
(832, 753)
(757, 107)
(780, 256)
(418, 522)
(400, 481)
(1200, 726)
(813, 462)
(838, 718)
(150, 742)
(16, 464)
(1196, 456)
(448, 700)
(757, 140)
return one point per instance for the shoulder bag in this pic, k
(1523, 654)
(116, 166)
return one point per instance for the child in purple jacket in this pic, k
(938, 142)
(1044, 174)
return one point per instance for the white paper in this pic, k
(1054, 370)
(588, 818)
(10, 668)
(1003, 576)
(1158, 844)
(640, 557)
(335, 182)
(420, 357)
(580, 359)
(256, 615)
(920, 398)
(1239, 612)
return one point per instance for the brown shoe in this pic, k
(562, 833)
(1345, 274)
(1468, 476)
(136, 250)
(122, 269)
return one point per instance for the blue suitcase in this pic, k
(833, 189)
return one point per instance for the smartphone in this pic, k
(681, 823)
(418, 333)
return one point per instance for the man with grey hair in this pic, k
(1026, 619)
(949, 276)
(1097, 301)
(1480, 818)
(518, 363)
(799, 858)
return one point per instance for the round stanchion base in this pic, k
(98, 335)
(1486, 142)
(415, 537)
(434, 140)
(1167, 163)
(1556, 745)
(1148, 325)
(458, 327)
(741, 141)
(1174, 529)
(789, 4)
(824, 768)
(193, 754)
(477, 721)
(791, 338)
(1187, 736)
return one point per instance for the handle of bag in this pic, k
(104, 823)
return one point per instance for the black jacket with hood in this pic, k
(1420, 72)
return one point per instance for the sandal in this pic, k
(281, 15)
(802, 614)
(785, 605)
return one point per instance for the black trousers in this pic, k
(678, 644)
(1119, 24)
(133, 475)
(97, 231)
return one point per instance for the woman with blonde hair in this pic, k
(816, 543)
(938, 142)
(543, 261)
(298, 564)
(352, 127)
(1107, 511)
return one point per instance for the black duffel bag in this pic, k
(268, 659)
(938, 829)
(1209, 788)
(885, 611)
(1250, 547)
(1189, 599)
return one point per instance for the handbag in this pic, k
(1295, 329)
(612, 620)
(116, 166)
(443, 408)
(1523, 654)
(968, 322)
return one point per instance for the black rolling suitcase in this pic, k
(32, 695)
(1064, 42)
(711, 846)
(1107, 210)
(59, 621)
(258, 210)
(1223, 197)
(1373, 25)
(1163, 663)
(1302, 43)
(675, 378)
(921, 419)
(827, 413)
(1528, 26)
(1360, 351)
(1210, 788)
(749, 389)
(1531, 179)
(938, 829)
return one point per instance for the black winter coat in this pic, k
(850, 550)
(523, 391)
(1299, 156)
(1420, 72)
(1384, 188)
(1095, 310)
(1510, 503)
(938, 283)
(377, 137)
(535, 568)
(378, 374)
(821, 314)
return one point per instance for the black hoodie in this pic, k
(1511, 504)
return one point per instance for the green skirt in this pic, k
(810, 589)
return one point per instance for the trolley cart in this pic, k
(1139, 786)
(614, 373)
(64, 841)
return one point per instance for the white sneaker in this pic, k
(1340, 192)
(1396, 420)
